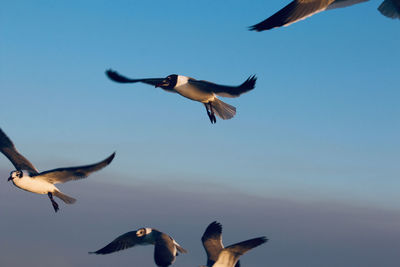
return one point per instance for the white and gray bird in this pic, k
(196, 90)
(28, 178)
(301, 9)
(217, 255)
(165, 247)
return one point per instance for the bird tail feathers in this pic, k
(65, 198)
(179, 248)
(223, 110)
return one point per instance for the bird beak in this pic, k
(164, 83)
(9, 179)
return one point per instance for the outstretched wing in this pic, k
(230, 255)
(8, 149)
(293, 12)
(62, 175)
(224, 90)
(212, 242)
(124, 241)
(116, 77)
(390, 9)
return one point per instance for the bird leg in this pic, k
(210, 112)
(55, 205)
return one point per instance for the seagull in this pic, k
(301, 9)
(217, 255)
(28, 178)
(165, 247)
(196, 90)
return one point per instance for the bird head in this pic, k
(143, 232)
(15, 174)
(169, 82)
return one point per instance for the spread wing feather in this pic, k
(229, 256)
(124, 241)
(62, 175)
(293, 12)
(8, 149)
(116, 77)
(212, 242)
(224, 90)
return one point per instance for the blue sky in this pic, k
(321, 125)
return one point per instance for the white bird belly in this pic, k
(194, 93)
(33, 185)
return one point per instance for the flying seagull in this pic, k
(28, 178)
(165, 247)
(197, 90)
(217, 255)
(212, 243)
(301, 9)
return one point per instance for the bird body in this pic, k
(184, 88)
(165, 247)
(197, 90)
(33, 184)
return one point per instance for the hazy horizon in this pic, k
(300, 233)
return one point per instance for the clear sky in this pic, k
(321, 126)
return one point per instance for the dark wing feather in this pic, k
(295, 11)
(164, 249)
(8, 149)
(224, 90)
(212, 242)
(244, 246)
(116, 77)
(62, 175)
(124, 241)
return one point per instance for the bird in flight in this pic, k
(196, 90)
(28, 178)
(217, 255)
(165, 247)
(301, 9)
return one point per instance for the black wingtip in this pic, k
(4, 139)
(255, 28)
(110, 158)
(98, 252)
(116, 77)
(260, 240)
(110, 72)
(250, 83)
(213, 229)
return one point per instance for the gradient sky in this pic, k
(319, 133)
